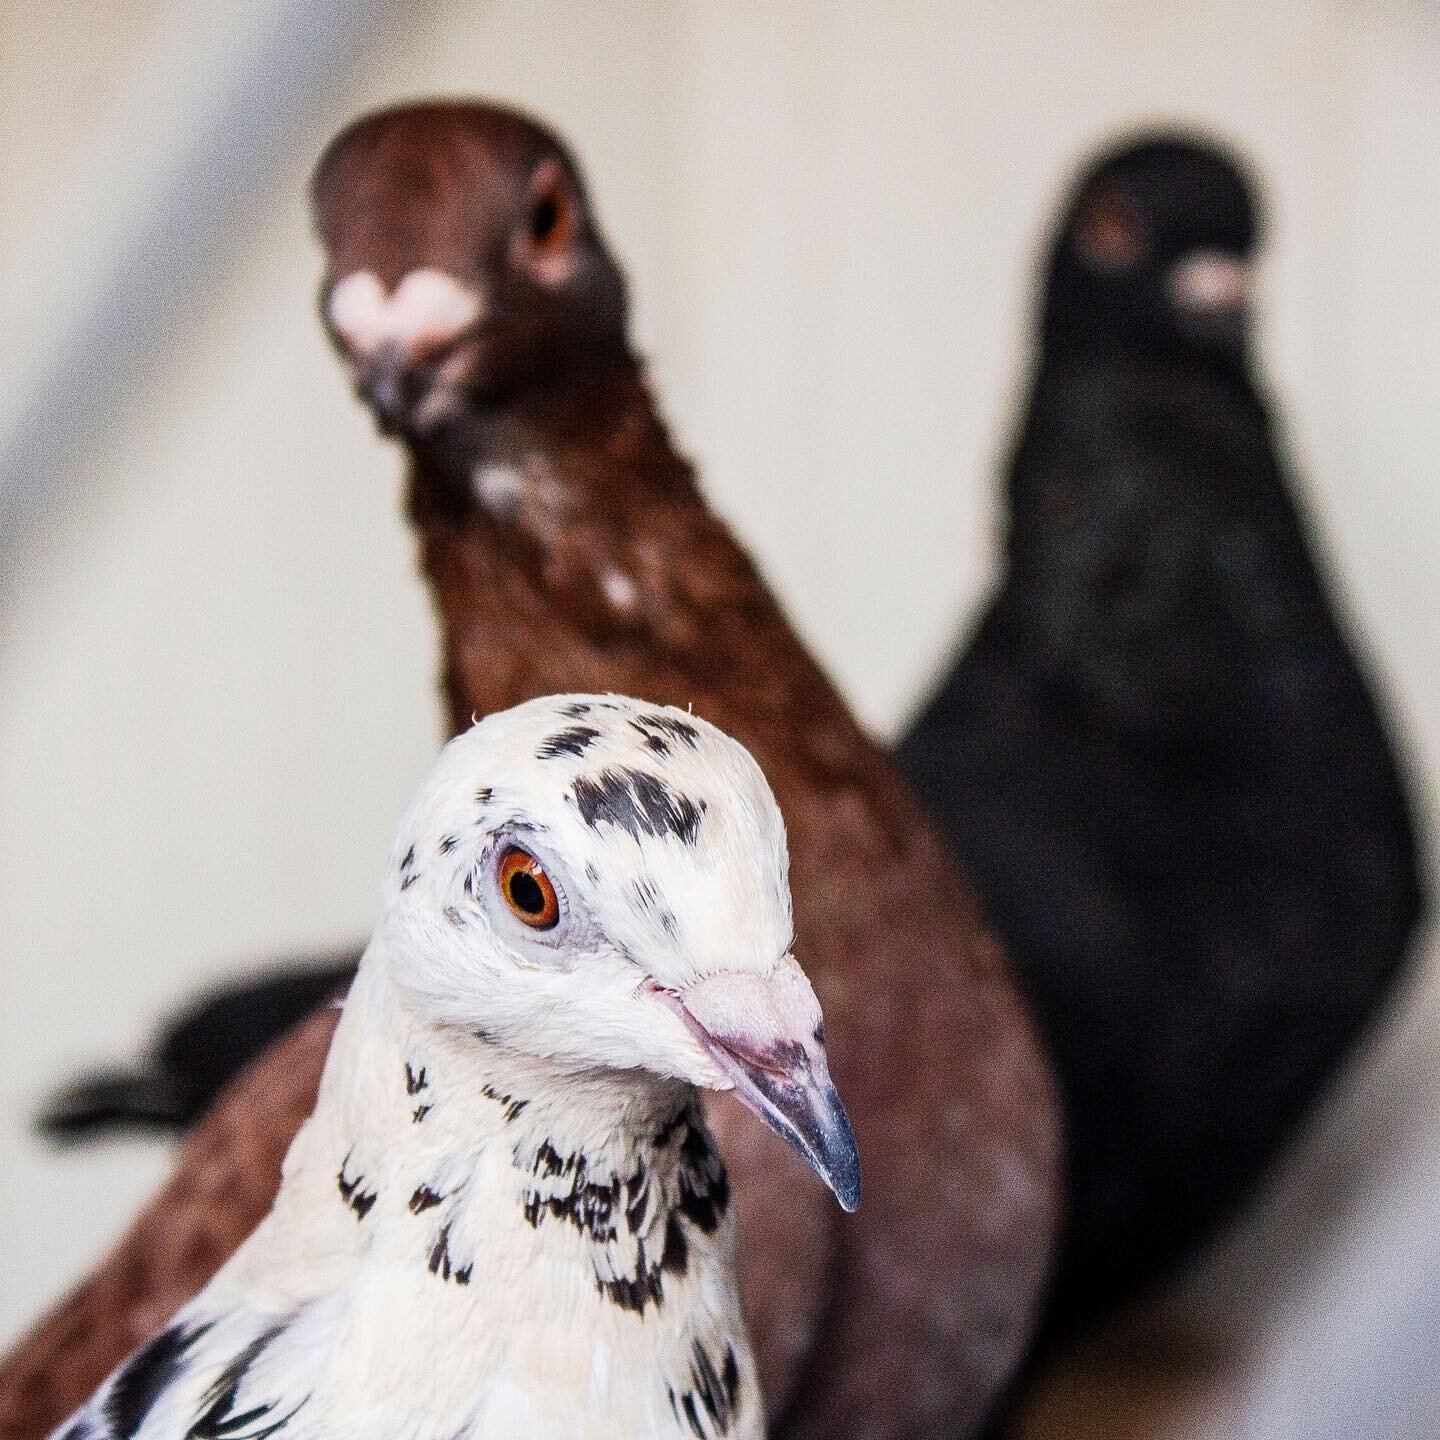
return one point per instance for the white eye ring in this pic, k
(511, 854)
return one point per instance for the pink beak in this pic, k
(765, 1033)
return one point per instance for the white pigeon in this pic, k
(505, 1217)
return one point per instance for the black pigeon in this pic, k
(1157, 755)
(209, 1042)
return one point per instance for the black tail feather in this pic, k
(118, 1099)
(211, 1040)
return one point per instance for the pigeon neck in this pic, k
(402, 1086)
(569, 549)
(432, 1148)
(491, 454)
(506, 1227)
(1106, 349)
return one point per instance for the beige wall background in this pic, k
(215, 662)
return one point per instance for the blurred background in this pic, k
(216, 663)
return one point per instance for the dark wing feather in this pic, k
(225, 1180)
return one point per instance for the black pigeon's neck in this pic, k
(1102, 347)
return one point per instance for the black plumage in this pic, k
(1157, 755)
(205, 1046)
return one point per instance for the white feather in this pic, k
(421, 1275)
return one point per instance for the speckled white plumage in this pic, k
(504, 1217)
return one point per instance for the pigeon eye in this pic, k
(545, 242)
(528, 890)
(543, 219)
(1109, 232)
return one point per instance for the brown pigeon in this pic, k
(472, 297)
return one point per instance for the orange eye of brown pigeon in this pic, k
(544, 219)
(528, 890)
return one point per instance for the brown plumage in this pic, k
(568, 549)
(224, 1182)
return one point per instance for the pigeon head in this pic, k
(463, 263)
(1154, 251)
(601, 884)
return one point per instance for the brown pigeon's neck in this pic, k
(574, 500)
(599, 420)
(569, 550)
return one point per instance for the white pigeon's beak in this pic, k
(765, 1034)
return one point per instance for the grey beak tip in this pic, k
(828, 1143)
(812, 1121)
(843, 1168)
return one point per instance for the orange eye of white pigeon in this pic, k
(528, 890)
